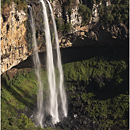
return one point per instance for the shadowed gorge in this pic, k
(64, 65)
(97, 85)
(83, 53)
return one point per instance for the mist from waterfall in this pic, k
(59, 65)
(37, 65)
(53, 103)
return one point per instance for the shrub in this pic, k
(85, 12)
(117, 12)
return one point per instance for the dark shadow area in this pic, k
(28, 63)
(83, 53)
(74, 54)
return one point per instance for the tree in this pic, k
(115, 13)
(85, 13)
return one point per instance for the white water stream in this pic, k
(59, 64)
(54, 88)
(37, 64)
(53, 104)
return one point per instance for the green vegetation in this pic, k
(62, 24)
(108, 113)
(18, 99)
(85, 12)
(96, 69)
(21, 4)
(66, 27)
(3, 2)
(117, 12)
(63, 27)
(98, 88)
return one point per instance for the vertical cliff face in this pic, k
(67, 13)
(16, 36)
(15, 29)
(13, 43)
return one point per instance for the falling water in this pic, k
(37, 63)
(53, 104)
(61, 81)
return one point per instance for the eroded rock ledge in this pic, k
(97, 35)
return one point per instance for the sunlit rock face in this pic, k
(13, 43)
(16, 34)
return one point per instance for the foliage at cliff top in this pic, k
(117, 12)
(21, 4)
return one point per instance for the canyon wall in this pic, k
(16, 36)
(13, 34)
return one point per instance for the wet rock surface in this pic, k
(72, 122)
(76, 122)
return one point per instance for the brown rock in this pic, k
(13, 36)
(11, 73)
(82, 33)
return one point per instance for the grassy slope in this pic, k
(19, 100)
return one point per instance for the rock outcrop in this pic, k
(13, 43)
(98, 35)
(67, 13)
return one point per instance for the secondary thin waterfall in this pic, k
(61, 79)
(53, 104)
(37, 64)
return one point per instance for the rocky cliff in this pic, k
(13, 34)
(73, 27)
(98, 35)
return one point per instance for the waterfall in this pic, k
(55, 89)
(61, 80)
(53, 104)
(37, 64)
